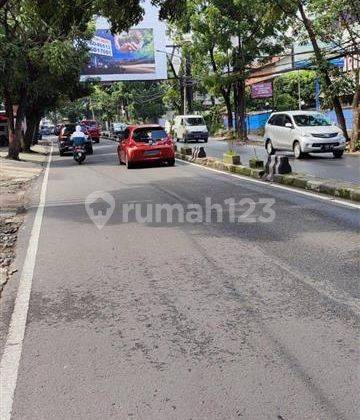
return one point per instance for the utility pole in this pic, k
(188, 88)
(299, 90)
(317, 94)
(185, 105)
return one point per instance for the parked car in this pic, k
(118, 128)
(65, 143)
(303, 132)
(46, 130)
(190, 127)
(146, 143)
(92, 129)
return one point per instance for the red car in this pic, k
(92, 129)
(146, 143)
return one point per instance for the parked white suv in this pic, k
(303, 132)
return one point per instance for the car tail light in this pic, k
(168, 140)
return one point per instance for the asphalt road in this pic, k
(321, 165)
(160, 320)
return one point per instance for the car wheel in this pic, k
(269, 148)
(338, 154)
(129, 165)
(297, 150)
(205, 140)
(3, 141)
(61, 153)
(171, 162)
(97, 140)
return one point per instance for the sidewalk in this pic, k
(16, 178)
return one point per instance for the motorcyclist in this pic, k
(78, 138)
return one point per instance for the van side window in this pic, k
(286, 119)
(277, 120)
(272, 119)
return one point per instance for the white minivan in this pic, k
(190, 128)
(303, 132)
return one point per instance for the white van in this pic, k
(190, 127)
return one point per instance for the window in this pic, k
(286, 120)
(194, 121)
(69, 129)
(126, 134)
(311, 120)
(276, 120)
(144, 135)
(272, 120)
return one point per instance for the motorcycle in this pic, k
(79, 154)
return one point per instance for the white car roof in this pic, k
(189, 116)
(297, 112)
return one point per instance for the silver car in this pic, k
(303, 132)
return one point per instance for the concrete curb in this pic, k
(336, 189)
(329, 187)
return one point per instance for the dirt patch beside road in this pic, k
(16, 178)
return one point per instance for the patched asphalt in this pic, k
(160, 320)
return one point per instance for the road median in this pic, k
(336, 189)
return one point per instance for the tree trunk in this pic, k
(31, 123)
(37, 130)
(355, 136)
(226, 93)
(241, 110)
(14, 145)
(323, 69)
(227, 99)
(16, 135)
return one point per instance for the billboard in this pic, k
(139, 54)
(262, 90)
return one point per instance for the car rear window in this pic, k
(144, 135)
(69, 129)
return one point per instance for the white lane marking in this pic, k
(10, 360)
(281, 187)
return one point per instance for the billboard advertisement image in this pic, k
(139, 54)
(126, 53)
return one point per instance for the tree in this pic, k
(50, 30)
(308, 14)
(339, 24)
(228, 36)
(211, 49)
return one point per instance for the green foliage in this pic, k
(172, 97)
(122, 101)
(286, 90)
(214, 119)
(285, 101)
